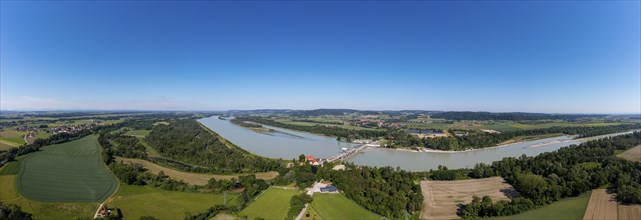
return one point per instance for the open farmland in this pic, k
(273, 203)
(43, 210)
(603, 205)
(10, 138)
(137, 201)
(68, 172)
(568, 208)
(633, 154)
(442, 198)
(191, 178)
(337, 206)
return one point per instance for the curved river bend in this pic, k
(289, 144)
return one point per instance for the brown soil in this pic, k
(602, 205)
(442, 198)
(633, 154)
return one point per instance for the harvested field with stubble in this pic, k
(191, 178)
(442, 198)
(633, 154)
(603, 205)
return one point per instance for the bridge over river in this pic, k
(351, 152)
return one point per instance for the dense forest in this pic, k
(123, 145)
(385, 191)
(566, 172)
(187, 141)
(335, 131)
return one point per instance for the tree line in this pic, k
(187, 141)
(242, 123)
(335, 131)
(470, 139)
(384, 191)
(566, 172)
(11, 154)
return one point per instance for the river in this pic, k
(276, 144)
(288, 144)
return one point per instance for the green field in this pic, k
(10, 138)
(271, 204)
(138, 133)
(311, 214)
(151, 150)
(136, 201)
(43, 210)
(10, 168)
(568, 208)
(68, 172)
(337, 206)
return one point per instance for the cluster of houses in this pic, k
(23, 128)
(70, 128)
(372, 122)
(55, 130)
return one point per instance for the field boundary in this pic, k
(441, 199)
(102, 197)
(603, 205)
(190, 177)
(632, 154)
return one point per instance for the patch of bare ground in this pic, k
(602, 205)
(187, 177)
(442, 199)
(633, 154)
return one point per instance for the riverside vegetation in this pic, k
(461, 140)
(186, 145)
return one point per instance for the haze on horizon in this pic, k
(535, 56)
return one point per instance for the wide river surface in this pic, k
(288, 144)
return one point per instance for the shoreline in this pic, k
(428, 150)
(572, 138)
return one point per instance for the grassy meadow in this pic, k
(138, 133)
(568, 208)
(273, 203)
(337, 206)
(137, 201)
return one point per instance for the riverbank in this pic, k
(428, 150)
(504, 144)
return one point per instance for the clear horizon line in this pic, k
(380, 110)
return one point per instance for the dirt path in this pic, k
(442, 198)
(191, 178)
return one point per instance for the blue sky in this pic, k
(537, 56)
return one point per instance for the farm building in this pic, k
(328, 189)
(311, 159)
